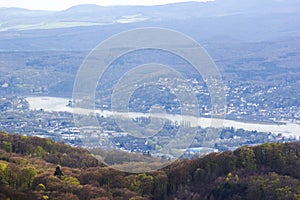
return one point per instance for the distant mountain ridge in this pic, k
(224, 20)
(89, 14)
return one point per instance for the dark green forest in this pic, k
(36, 168)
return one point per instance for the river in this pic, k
(60, 104)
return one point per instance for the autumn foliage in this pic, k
(29, 169)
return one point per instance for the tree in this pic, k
(58, 172)
(40, 187)
(3, 166)
(11, 175)
(6, 146)
(160, 185)
(246, 158)
(27, 175)
(89, 192)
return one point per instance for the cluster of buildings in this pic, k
(16, 117)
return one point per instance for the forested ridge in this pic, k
(36, 168)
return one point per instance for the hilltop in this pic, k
(27, 166)
(85, 26)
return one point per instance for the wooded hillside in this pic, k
(35, 168)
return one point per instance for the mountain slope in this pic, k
(268, 171)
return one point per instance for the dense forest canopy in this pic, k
(36, 168)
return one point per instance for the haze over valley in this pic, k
(255, 45)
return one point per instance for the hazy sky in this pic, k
(64, 4)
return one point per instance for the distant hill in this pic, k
(41, 51)
(28, 170)
(83, 27)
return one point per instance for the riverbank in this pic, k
(58, 104)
